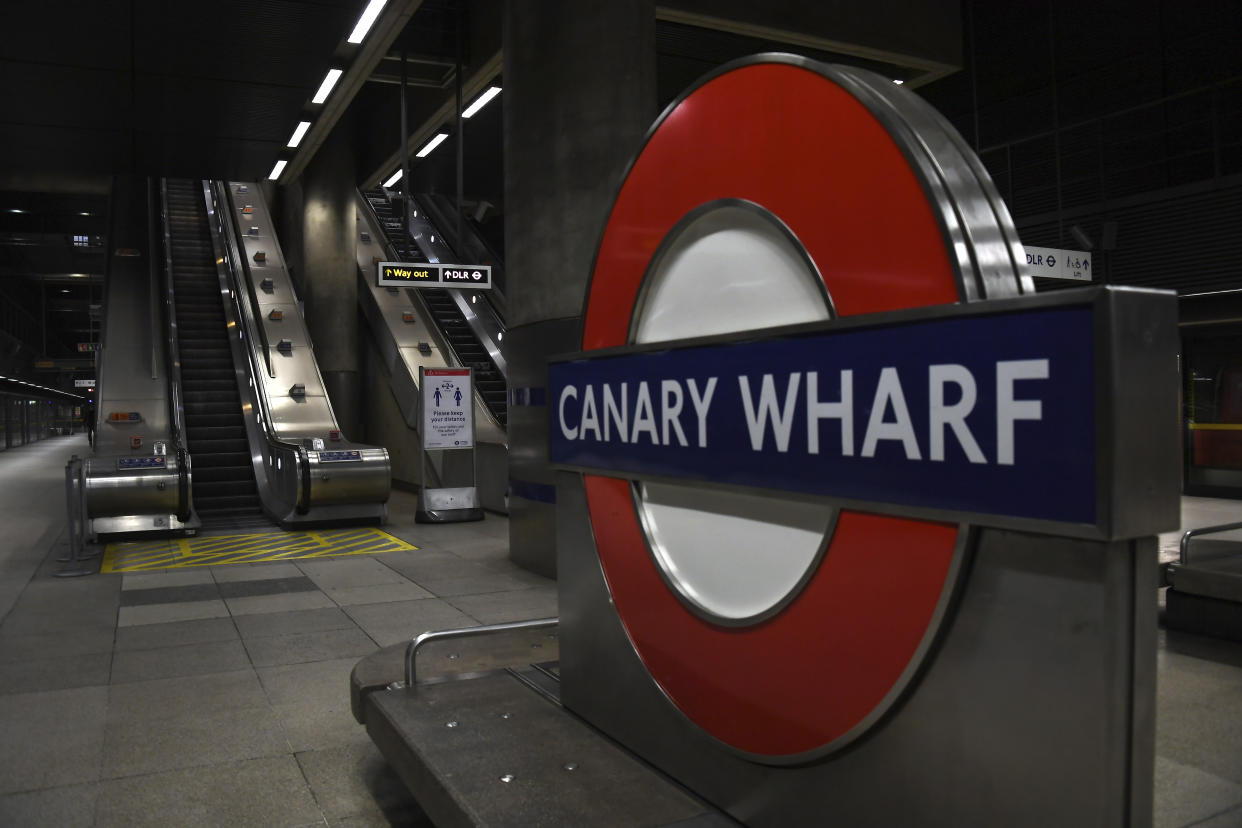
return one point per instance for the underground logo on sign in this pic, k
(787, 408)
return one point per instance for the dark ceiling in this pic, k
(96, 88)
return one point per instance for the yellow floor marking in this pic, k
(177, 553)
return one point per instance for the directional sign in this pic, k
(88, 346)
(1052, 263)
(425, 274)
(83, 383)
(448, 408)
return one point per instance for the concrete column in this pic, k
(329, 275)
(580, 93)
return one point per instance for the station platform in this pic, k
(198, 691)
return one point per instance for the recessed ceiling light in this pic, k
(298, 133)
(366, 20)
(898, 81)
(481, 101)
(83, 214)
(64, 290)
(432, 144)
(394, 179)
(325, 88)
(15, 210)
(277, 170)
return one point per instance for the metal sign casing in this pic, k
(1054, 263)
(896, 221)
(426, 274)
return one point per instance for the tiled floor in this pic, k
(216, 695)
(219, 695)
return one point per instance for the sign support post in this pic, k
(446, 426)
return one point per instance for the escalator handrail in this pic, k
(172, 364)
(253, 333)
(430, 204)
(416, 298)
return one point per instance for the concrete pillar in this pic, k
(580, 93)
(329, 275)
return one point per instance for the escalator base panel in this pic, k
(218, 550)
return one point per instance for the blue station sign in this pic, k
(951, 412)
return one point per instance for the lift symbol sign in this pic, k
(448, 412)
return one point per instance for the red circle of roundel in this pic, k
(794, 142)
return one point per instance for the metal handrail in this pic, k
(236, 269)
(232, 266)
(172, 366)
(1184, 555)
(431, 204)
(411, 650)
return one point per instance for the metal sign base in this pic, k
(452, 505)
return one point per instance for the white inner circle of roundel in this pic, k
(735, 556)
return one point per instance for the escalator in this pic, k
(225, 491)
(447, 312)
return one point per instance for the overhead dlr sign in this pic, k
(426, 274)
(987, 416)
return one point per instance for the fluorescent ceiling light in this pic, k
(15, 210)
(325, 88)
(298, 133)
(394, 179)
(481, 101)
(366, 20)
(277, 170)
(432, 144)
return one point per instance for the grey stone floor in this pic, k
(215, 695)
(204, 697)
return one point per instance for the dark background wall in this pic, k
(1123, 119)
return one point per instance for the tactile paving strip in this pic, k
(173, 553)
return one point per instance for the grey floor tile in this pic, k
(178, 697)
(76, 642)
(266, 586)
(428, 563)
(172, 662)
(474, 583)
(254, 572)
(259, 792)
(502, 607)
(1186, 795)
(377, 593)
(68, 807)
(167, 613)
(171, 578)
(1231, 818)
(55, 673)
(287, 623)
(290, 602)
(269, 651)
(60, 734)
(483, 551)
(319, 683)
(356, 781)
(349, 572)
(140, 746)
(170, 595)
(174, 633)
(406, 619)
(314, 727)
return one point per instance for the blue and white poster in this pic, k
(448, 413)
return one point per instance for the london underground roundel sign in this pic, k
(720, 438)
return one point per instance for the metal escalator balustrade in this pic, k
(225, 490)
(488, 379)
